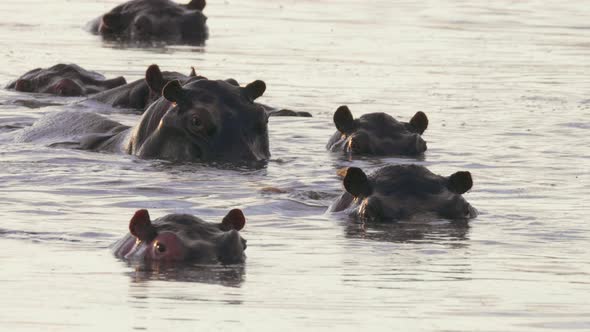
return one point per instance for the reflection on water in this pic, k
(504, 86)
(225, 275)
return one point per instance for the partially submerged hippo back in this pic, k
(64, 80)
(204, 120)
(404, 192)
(183, 237)
(378, 134)
(154, 21)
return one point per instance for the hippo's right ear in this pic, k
(154, 79)
(460, 182)
(420, 122)
(196, 4)
(344, 120)
(356, 182)
(254, 89)
(233, 220)
(141, 226)
(173, 92)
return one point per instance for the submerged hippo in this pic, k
(183, 237)
(204, 120)
(402, 192)
(378, 134)
(143, 92)
(64, 80)
(153, 21)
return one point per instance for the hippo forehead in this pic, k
(407, 180)
(187, 227)
(381, 124)
(155, 7)
(204, 90)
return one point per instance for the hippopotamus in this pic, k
(143, 92)
(404, 192)
(204, 120)
(68, 80)
(377, 134)
(183, 238)
(146, 21)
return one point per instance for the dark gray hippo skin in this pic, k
(377, 134)
(404, 192)
(148, 21)
(140, 94)
(204, 120)
(183, 238)
(67, 80)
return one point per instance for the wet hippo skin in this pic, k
(377, 134)
(404, 192)
(146, 21)
(68, 80)
(183, 238)
(204, 120)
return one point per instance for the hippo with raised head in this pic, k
(377, 134)
(67, 80)
(404, 192)
(183, 238)
(204, 120)
(143, 21)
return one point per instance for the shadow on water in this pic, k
(224, 275)
(407, 232)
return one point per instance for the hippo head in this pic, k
(155, 20)
(183, 237)
(66, 80)
(204, 120)
(402, 192)
(378, 134)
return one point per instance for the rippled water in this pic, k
(505, 85)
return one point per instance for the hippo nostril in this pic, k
(23, 86)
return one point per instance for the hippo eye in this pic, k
(196, 121)
(160, 247)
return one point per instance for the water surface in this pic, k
(505, 85)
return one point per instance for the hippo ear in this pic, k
(254, 89)
(420, 122)
(154, 79)
(356, 182)
(173, 92)
(193, 72)
(343, 120)
(460, 182)
(141, 226)
(233, 220)
(196, 4)
(232, 82)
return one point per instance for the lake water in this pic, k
(506, 87)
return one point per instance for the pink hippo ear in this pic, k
(141, 226)
(233, 220)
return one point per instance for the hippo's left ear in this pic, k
(141, 226)
(154, 79)
(460, 182)
(344, 120)
(420, 122)
(357, 183)
(196, 4)
(233, 220)
(173, 92)
(254, 89)
(193, 72)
